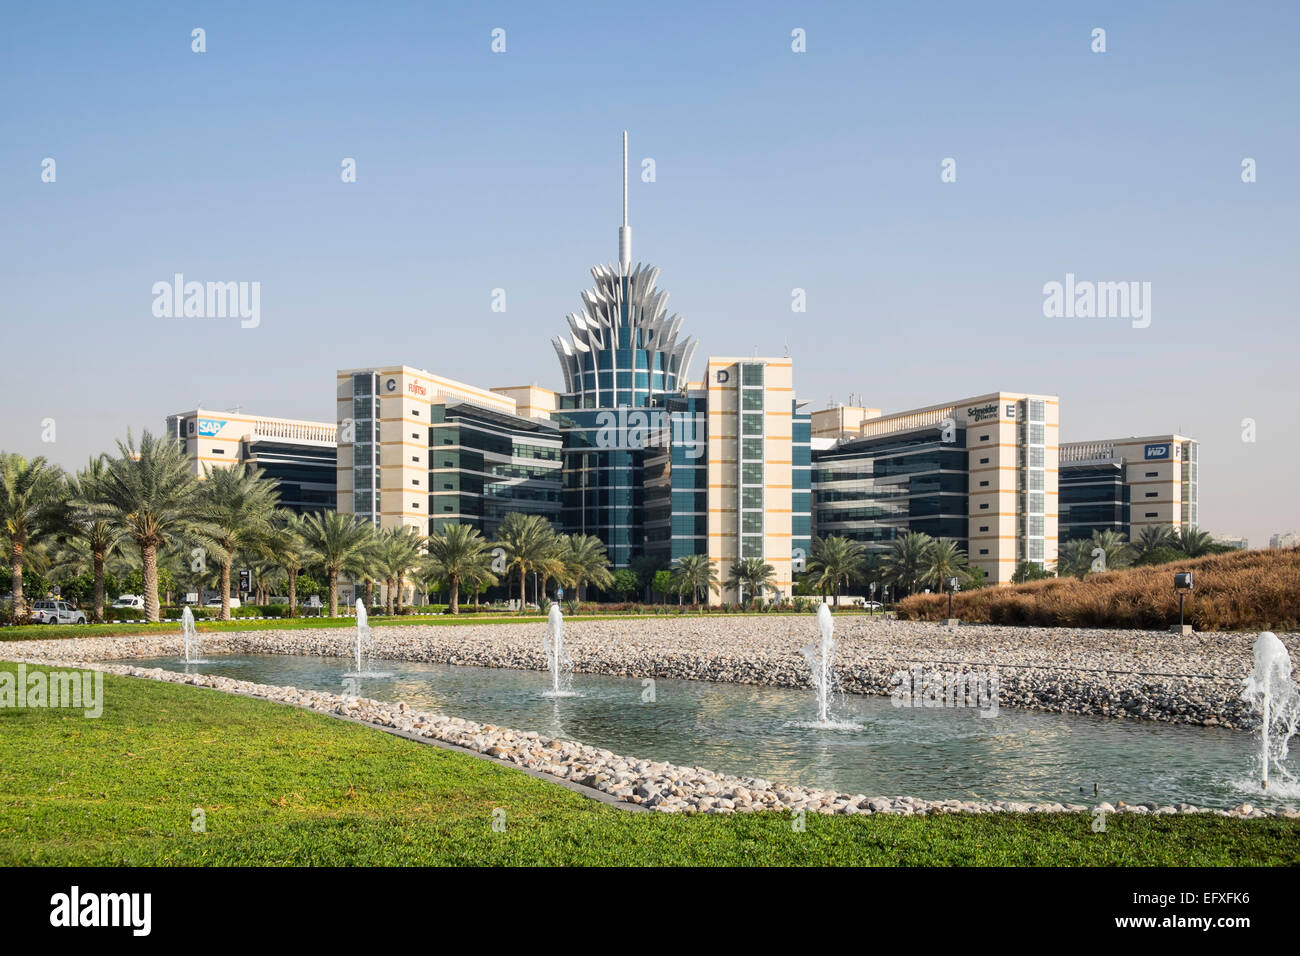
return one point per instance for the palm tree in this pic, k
(1194, 542)
(30, 492)
(697, 574)
(1074, 558)
(397, 555)
(585, 562)
(835, 562)
(341, 544)
(1154, 536)
(945, 561)
(528, 541)
(289, 552)
(90, 533)
(455, 552)
(478, 577)
(752, 576)
(150, 493)
(1118, 552)
(906, 564)
(236, 506)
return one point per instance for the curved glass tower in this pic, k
(622, 348)
(623, 362)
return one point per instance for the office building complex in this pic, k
(419, 450)
(981, 471)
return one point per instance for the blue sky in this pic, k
(775, 170)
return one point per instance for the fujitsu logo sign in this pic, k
(415, 388)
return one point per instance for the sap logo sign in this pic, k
(210, 426)
(1157, 452)
(723, 376)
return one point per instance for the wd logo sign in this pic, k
(1157, 452)
(210, 426)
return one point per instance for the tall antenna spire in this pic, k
(625, 231)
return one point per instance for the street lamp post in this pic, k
(1183, 584)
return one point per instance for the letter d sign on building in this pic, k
(723, 376)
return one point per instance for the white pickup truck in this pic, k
(56, 612)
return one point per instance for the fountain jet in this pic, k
(190, 635)
(556, 660)
(1272, 692)
(364, 644)
(819, 657)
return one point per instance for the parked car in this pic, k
(873, 605)
(56, 612)
(133, 602)
(216, 602)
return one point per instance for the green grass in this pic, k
(280, 785)
(28, 632)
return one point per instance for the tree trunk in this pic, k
(225, 592)
(293, 592)
(334, 593)
(149, 560)
(98, 559)
(389, 603)
(16, 571)
(454, 602)
(523, 579)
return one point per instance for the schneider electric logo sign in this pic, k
(980, 413)
(1160, 452)
(210, 426)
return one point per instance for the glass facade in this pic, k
(365, 448)
(875, 490)
(485, 464)
(1094, 497)
(307, 474)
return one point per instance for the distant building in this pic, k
(1127, 484)
(1232, 541)
(301, 455)
(1284, 539)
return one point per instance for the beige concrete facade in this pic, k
(531, 401)
(218, 439)
(750, 466)
(841, 421)
(391, 428)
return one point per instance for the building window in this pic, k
(984, 550)
(984, 484)
(218, 451)
(1153, 494)
(984, 527)
(416, 482)
(415, 411)
(984, 437)
(1153, 474)
(984, 461)
(415, 458)
(1152, 514)
(983, 507)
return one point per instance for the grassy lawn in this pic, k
(281, 786)
(45, 632)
